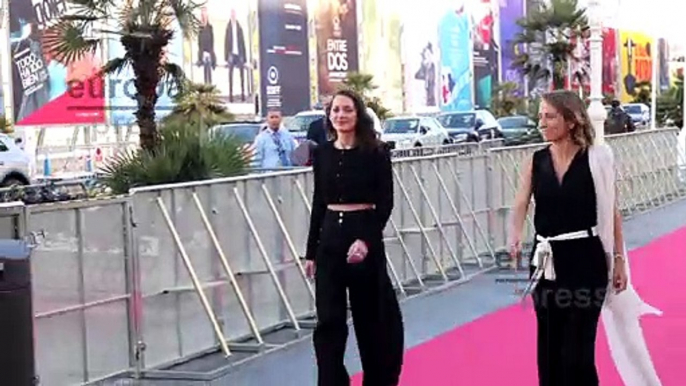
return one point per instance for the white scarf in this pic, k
(621, 312)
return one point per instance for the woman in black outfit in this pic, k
(569, 291)
(353, 200)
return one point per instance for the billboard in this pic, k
(45, 90)
(381, 54)
(636, 63)
(337, 50)
(421, 57)
(221, 53)
(121, 90)
(284, 55)
(456, 69)
(610, 61)
(486, 51)
(510, 12)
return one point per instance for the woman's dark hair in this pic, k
(365, 135)
(573, 110)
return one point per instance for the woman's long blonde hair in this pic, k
(573, 110)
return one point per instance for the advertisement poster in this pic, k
(122, 90)
(636, 63)
(336, 30)
(46, 91)
(610, 61)
(580, 65)
(510, 12)
(456, 65)
(380, 54)
(486, 52)
(284, 55)
(421, 58)
(221, 53)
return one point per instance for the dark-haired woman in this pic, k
(579, 265)
(353, 200)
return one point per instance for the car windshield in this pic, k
(513, 122)
(632, 109)
(243, 132)
(457, 121)
(401, 126)
(301, 122)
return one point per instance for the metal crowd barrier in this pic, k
(141, 283)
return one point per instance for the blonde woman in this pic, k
(579, 261)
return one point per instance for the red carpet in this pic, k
(499, 349)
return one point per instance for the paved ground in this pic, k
(425, 317)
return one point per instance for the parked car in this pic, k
(14, 163)
(244, 131)
(519, 130)
(414, 131)
(475, 125)
(300, 123)
(639, 113)
(460, 126)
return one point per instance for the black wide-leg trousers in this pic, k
(375, 310)
(567, 314)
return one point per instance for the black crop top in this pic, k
(353, 176)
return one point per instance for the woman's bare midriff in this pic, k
(349, 207)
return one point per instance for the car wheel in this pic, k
(10, 181)
(446, 141)
(417, 144)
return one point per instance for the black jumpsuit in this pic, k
(568, 308)
(356, 176)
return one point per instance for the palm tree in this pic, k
(550, 31)
(363, 84)
(144, 28)
(199, 103)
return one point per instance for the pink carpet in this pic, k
(499, 349)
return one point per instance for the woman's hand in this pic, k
(357, 252)
(310, 268)
(619, 277)
(515, 250)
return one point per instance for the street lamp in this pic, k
(596, 110)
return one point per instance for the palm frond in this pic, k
(174, 75)
(115, 66)
(184, 13)
(68, 41)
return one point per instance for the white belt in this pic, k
(543, 255)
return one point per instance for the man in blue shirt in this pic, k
(274, 145)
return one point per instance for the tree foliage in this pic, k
(145, 28)
(507, 100)
(182, 154)
(550, 32)
(200, 104)
(363, 84)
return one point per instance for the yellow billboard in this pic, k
(636, 62)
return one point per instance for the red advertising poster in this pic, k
(45, 90)
(610, 61)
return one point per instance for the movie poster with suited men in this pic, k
(221, 53)
(337, 51)
(636, 63)
(486, 50)
(284, 55)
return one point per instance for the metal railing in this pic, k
(142, 282)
